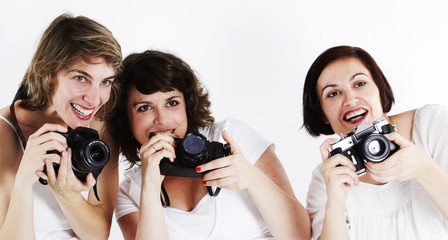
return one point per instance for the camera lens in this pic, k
(193, 144)
(97, 154)
(375, 148)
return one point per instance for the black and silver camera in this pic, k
(366, 144)
(89, 153)
(192, 151)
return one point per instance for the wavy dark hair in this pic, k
(313, 116)
(150, 72)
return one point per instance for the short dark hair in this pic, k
(313, 116)
(67, 40)
(150, 72)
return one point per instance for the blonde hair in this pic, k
(67, 40)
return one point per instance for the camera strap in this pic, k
(166, 203)
(20, 94)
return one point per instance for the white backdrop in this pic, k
(253, 55)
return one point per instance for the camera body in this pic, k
(192, 151)
(89, 153)
(366, 144)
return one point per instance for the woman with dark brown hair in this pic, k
(163, 125)
(69, 84)
(376, 183)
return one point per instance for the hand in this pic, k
(151, 153)
(65, 184)
(339, 174)
(233, 172)
(407, 163)
(35, 154)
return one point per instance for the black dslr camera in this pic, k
(366, 144)
(89, 154)
(191, 152)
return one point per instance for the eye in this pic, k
(143, 108)
(333, 94)
(172, 103)
(80, 78)
(360, 84)
(106, 82)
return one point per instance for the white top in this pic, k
(49, 220)
(396, 210)
(230, 215)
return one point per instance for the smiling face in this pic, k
(348, 95)
(81, 89)
(157, 112)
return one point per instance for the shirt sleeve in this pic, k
(252, 144)
(128, 199)
(316, 200)
(430, 132)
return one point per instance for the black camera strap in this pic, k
(21, 94)
(166, 203)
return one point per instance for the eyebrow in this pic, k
(334, 85)
(88, 75)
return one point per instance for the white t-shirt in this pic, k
(230, 215)
(396, 210)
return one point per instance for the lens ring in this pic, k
(193, 144)
(375, 148)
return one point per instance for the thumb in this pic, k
(397, 138)
(234, 148)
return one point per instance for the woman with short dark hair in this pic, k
(376, 183)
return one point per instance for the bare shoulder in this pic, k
(404, 122)
(10, 153)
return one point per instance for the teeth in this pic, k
(81, 110)
(165, 132)
(353, 116)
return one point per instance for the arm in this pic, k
(339, 176)
(18, 175)
(268, 186)
(149, 222)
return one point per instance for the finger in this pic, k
(397, 138)
(217, 174)
(324, 147)
(156, 157)
(382, 177)
(53, 145)
(51, 174)
(158, 144)
(345, 171)
(62, 173)
(48, 127)
(234, 148)
(337, 160)
(221, 182)
(41, 174)
(161, 137)
(215, 164)
(90, 181)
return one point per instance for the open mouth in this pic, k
(80, 110)
(355, 115)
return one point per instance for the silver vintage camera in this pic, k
(366, 144)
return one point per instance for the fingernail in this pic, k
(198, 169)
(204, 182)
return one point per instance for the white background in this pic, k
(253, 55)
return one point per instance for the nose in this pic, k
(350, 98)
(92, 96)
(161, 116)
